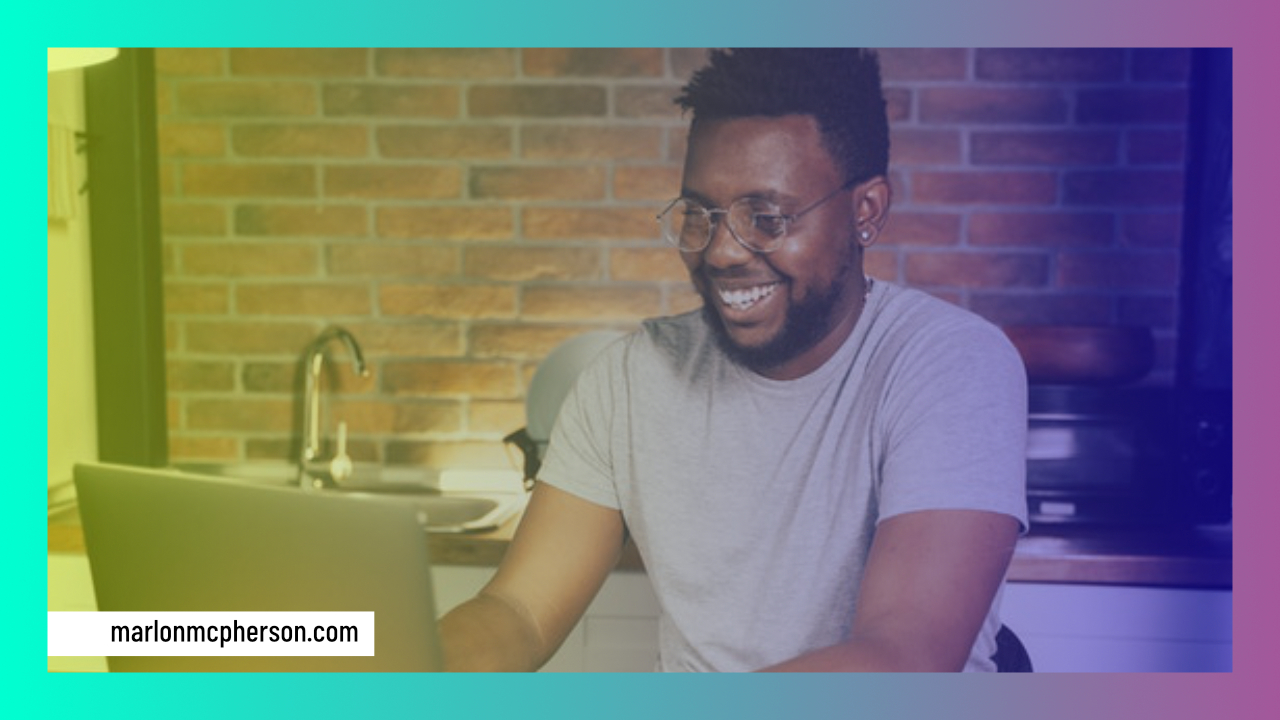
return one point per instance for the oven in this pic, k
(1127, 456)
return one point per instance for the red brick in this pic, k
(924, 147)
(686, 61)
(171, 62)
(520, 341)
(323, 63)
(654, 264)
(240, 415)
(898, 64)
(977, 270)
(522, 264)
(183, 447)
(302, 220)
(226, 180)
(239, 337)
(655, 183)
(1051, 307)
(681, 299)
(606, 223)
(249, 259)
(1050, 229)
(182, 298)
(497, 417)
(481, 142)
(556, 182)
(1056, 148)
(1161, 64)
(388, 261)
(1059, 64)
(590, 303)
(192, 219)
(270, 377)
(448, 301)
(318, 299)
(1151, 270)
(244, 98)
(647, 101)
(1132, 106)
(882, 262)
(1124, 188)
(196, 375)
(485, 379)
(382, 101)
(898, 103)
(593, 62)
(908, 228)
(536, 100)
(300, 140)
(425, 416)
(1150, 310)
(191, 140)
(383, 338)
(446, 63)
(1152, 230)
(988, 105)
(1156, 147)
(446, 223)
(1015, 188)
(602, 142)
(416, 182)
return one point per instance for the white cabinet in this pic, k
(71, 589)
(1118, 628)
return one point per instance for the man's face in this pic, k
(782, 313)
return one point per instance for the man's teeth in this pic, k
(746, 297)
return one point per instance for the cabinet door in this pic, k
(71, 589)
(1112, 628)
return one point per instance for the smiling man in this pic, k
(821, 472)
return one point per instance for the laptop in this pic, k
(163, 540)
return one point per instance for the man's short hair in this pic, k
(838, 87)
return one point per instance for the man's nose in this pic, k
(724, 249)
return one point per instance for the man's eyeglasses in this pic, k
(757, 224)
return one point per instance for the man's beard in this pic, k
(807, 323)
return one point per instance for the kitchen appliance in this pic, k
(551, 384)
(1128, 455)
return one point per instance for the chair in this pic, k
(1011, 655)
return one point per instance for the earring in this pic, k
(865, 237)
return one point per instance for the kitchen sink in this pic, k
(449, 511)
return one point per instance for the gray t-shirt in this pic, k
(753, 502)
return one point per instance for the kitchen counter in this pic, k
(1194, 557)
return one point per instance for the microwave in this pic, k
(1128, 456)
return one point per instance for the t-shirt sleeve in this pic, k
(956, 424)
(579, 457)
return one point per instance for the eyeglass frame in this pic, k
(786, 218)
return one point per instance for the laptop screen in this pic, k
(162, 540)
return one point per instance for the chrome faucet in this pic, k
(313, 363)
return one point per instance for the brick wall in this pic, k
(464, 211)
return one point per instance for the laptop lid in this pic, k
(162, 540)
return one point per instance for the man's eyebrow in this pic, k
(772, 196)
(698, 197)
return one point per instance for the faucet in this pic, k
(312, 364)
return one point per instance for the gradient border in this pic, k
(903, 23)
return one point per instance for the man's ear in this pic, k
(871, 200)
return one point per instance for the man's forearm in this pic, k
(487, 634)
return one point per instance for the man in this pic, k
(821, 472)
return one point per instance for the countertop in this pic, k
(1190, 557)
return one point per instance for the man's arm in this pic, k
(561, 554)
(929, 583)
